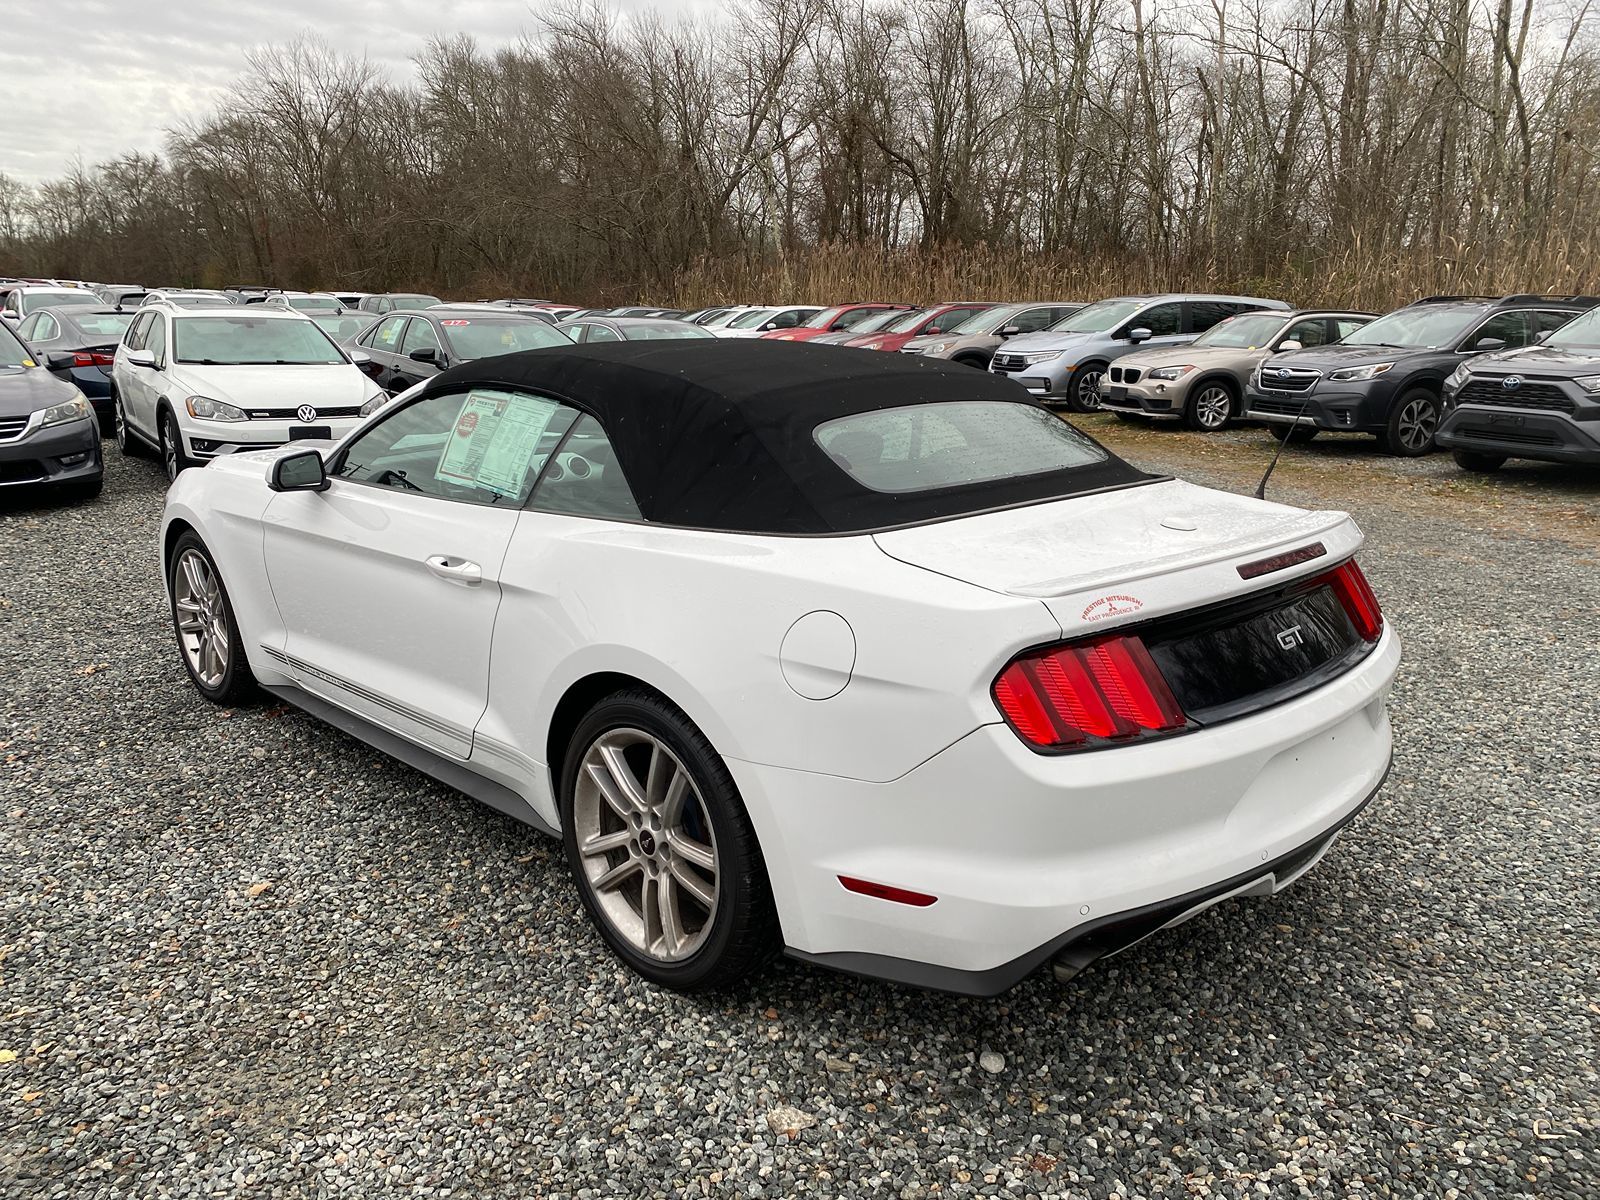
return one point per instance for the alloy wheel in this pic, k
(169, 448)
(1418, 421)
(646, 845)
(119, 422)
(202, 617)
(1089, 390)
(1213, 407)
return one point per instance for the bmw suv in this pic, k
(1066, 363)
(1540, 402)
(1387, 378)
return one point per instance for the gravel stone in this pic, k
(416, 1006)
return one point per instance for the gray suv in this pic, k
(1064, 364)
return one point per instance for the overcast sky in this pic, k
(93, 78)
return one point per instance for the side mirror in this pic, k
(60, 361)
(1490, 344)
(1140, 334)
(139, 358)
(302, 472)
(1539, 338)
(1289, 344)
(361, 358)
(1011, 331)
(10, 314)
(425, 355)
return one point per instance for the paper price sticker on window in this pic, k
(493, 441)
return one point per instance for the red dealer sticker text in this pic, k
(1112, 606)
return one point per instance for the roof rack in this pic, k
(1535, 297)
(1457, 300)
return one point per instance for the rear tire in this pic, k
(1412, 423)
(1472, 460)
(1083, 390)
(653, 825)
(202, 617)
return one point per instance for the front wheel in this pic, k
(1472, 460)
(202, 616)
(663, 853)
(1083, 391)
(1411, 425)
(1211, 407)
(127, 444)
(172, 455)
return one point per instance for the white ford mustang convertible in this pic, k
(866, 657)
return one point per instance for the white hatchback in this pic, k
(196, 384)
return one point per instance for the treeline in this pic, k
(1351, 150)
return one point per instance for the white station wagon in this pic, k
(867, 658)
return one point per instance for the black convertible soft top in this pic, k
(722, 434)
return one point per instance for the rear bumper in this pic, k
(1074, 857)
(1547, 437)
(61, 454)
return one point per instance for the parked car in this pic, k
(308, 302)
(1065, 365)
(389, 301)
(1387, 377)
(124, 294)
(48, 434)
(842, 318)
(775, 757)
(757, 321)
(1540, 402)
(197, 385)
(941, 318)
(974, 341)
(19, 301)
(79, 343)
(405, 348)
(1203, 384)
(187, 298)
(630, 329)
(351, 299)
(889, 318)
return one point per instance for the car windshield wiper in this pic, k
(211, 362)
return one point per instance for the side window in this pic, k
(28, 331)
(1163, 320)
(1034, 319)
(387, 335)
(1203, 314)
(1313, 331)
(47, 328)
(947, 321)
(1509, 327)
(585, 480)
(600, 333)
(420, 335)
(480, 447)
(578, 331)
(1343, 327)
(1548, 321)
(156, 341)
(137, 331)
(787, 319)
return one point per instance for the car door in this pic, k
(136, 385)
(383, 344)
(388, 582)
(1164, 321)
(419, 335)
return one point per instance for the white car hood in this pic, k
(332, 385)
(1147, 550)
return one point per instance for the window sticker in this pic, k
(493, 441)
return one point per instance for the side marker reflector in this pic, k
(882, 891)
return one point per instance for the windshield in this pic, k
(725, 318)
(1582, 331)
(486, 336)
(989, 319)
(951, 444)
(34, 301)
(905, 322)
(827, 317)
(110, 326)
(340, 326)
(878, 320)
(1424, 327)
(316, 303)
(251, 341)
(661, 331)
(751, 319)
(1097, 318)
(12, 352)
(1242, 333)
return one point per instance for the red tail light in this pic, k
(82, 358)
(1074, 697)
(1355, 593)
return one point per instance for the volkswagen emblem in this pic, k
(1511, 382)
(306, 413)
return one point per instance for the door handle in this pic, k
(456, 570)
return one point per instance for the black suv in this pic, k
(1540, 402)
(1387, 378)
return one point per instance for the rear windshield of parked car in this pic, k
(414, 300)
(922, 447)
(1582, 332)
(484, 337)
(110, 325)
(316, 303)
(251, 341)
(1416, 328)
(34, 301)
(1242, 333)
(1097, 318)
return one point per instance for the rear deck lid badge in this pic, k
(1291, 637)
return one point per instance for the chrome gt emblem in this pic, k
(306, 413)
(1291, 637)
(1511, 382)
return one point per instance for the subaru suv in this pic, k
(1067, 363)
(1540, 402)
(1387, 378)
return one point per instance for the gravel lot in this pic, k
(241, 955)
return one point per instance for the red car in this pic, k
(838, 319)
(941, 318)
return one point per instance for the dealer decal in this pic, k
(1112, 606)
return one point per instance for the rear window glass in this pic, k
(924, 447)
(111, 325)
(484, 337)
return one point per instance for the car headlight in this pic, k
(1350, 374)
(1589, 383)
(374, 404)
(1039, 356)
(1458, 376)
(76, 409)
(1171, 372)
(937, 347)
(872, 345)
(207, 409)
